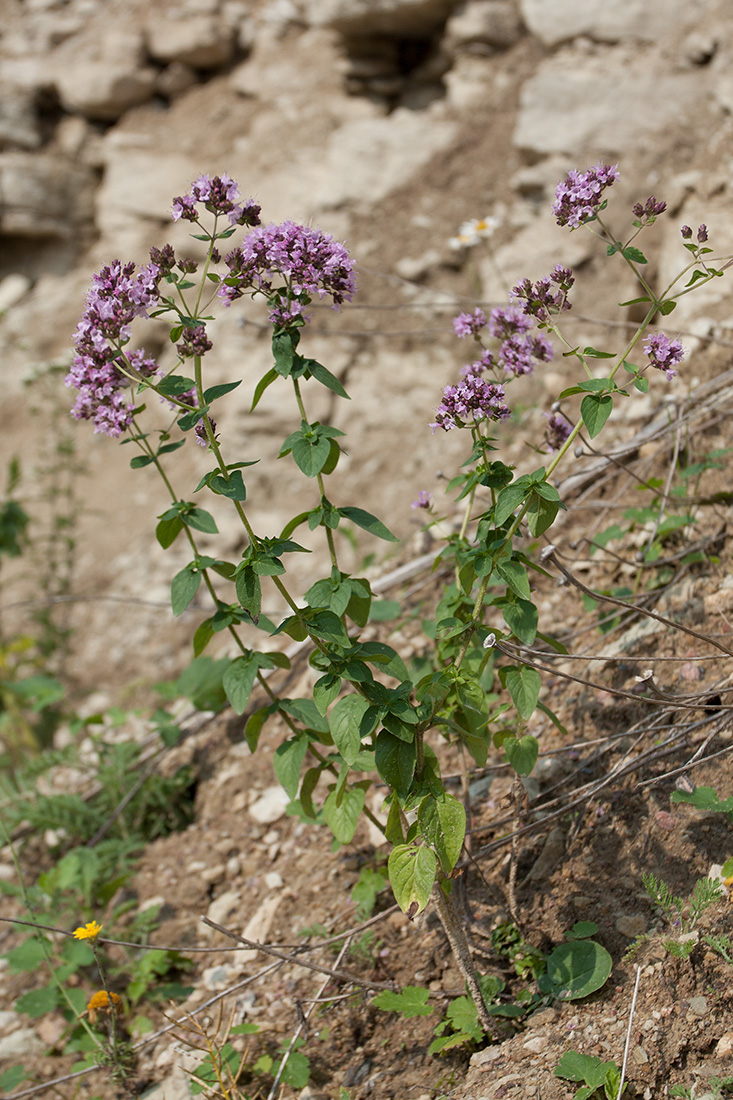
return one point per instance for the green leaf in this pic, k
(442, 822)
(38, 1002)
(577, 969)
(522, 618)
(307, 787)
(705, 798)
(12, 1077)
(594, 353)
(553, 717)
(581, 1067)
(325, 691)
(29, 956)
(139, 461)
(522, 753)
(463, 1018)
(412, 872)
(395, 761)
(306, 712)
(287, 762)
(283, 352)
(541, 513)
(174, 384)
(296, 1071)
(515, 576)
(200, 520)
(202, 636)
(368, 522)
(324, 376)
(633, 254)
(184, 587)
(311, 454)
(509, 500)
(665, 308)
(385, 658)
(595, 411)
(218, 391)
(345, 724)
(523, 684)
(190, 419)
(168, 530)
(249, 591)
(261, 386)
(383, 611)
(412, 1001)
(233, 487)
(238, 681)
(342, 815)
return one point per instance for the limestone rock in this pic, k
(396, 17)
(495, 23)
(201, 41)
(576, 107)
(43, 196)
(270, 806)
(554, 21)
(101, 78)
(24, 1041)
(18, 122)
(13, 288)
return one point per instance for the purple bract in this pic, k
(579, 196)
(664, 353)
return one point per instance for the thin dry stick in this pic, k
(207, 950)
(628, 1035)
(303, 1022)
(548, 554)
(341, 976)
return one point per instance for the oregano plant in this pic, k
(367, 719)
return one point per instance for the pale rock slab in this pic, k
(258, 926)
(18, 121)
(42, 195)
(13, 288)
(24, 1041)
(201, 41)
(364, 17)
(270, 806)
(495, 23)
(555, 21)
(101, 78)
(570, 106)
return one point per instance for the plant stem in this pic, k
(458, 941)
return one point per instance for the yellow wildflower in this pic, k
(99, 1005)
(88, 931)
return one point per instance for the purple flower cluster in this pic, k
(557, 431)
(650, 209)
(194, 341)
(219, 195)
(309, 260)
(702, 233)
(579, 196)
(469, 324)
(117, 297)
(548, 295)
(471, 400)
(518, 349)
(422, 501)
(664, 354)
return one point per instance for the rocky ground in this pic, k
(388, 124)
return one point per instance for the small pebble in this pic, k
(632, 925)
